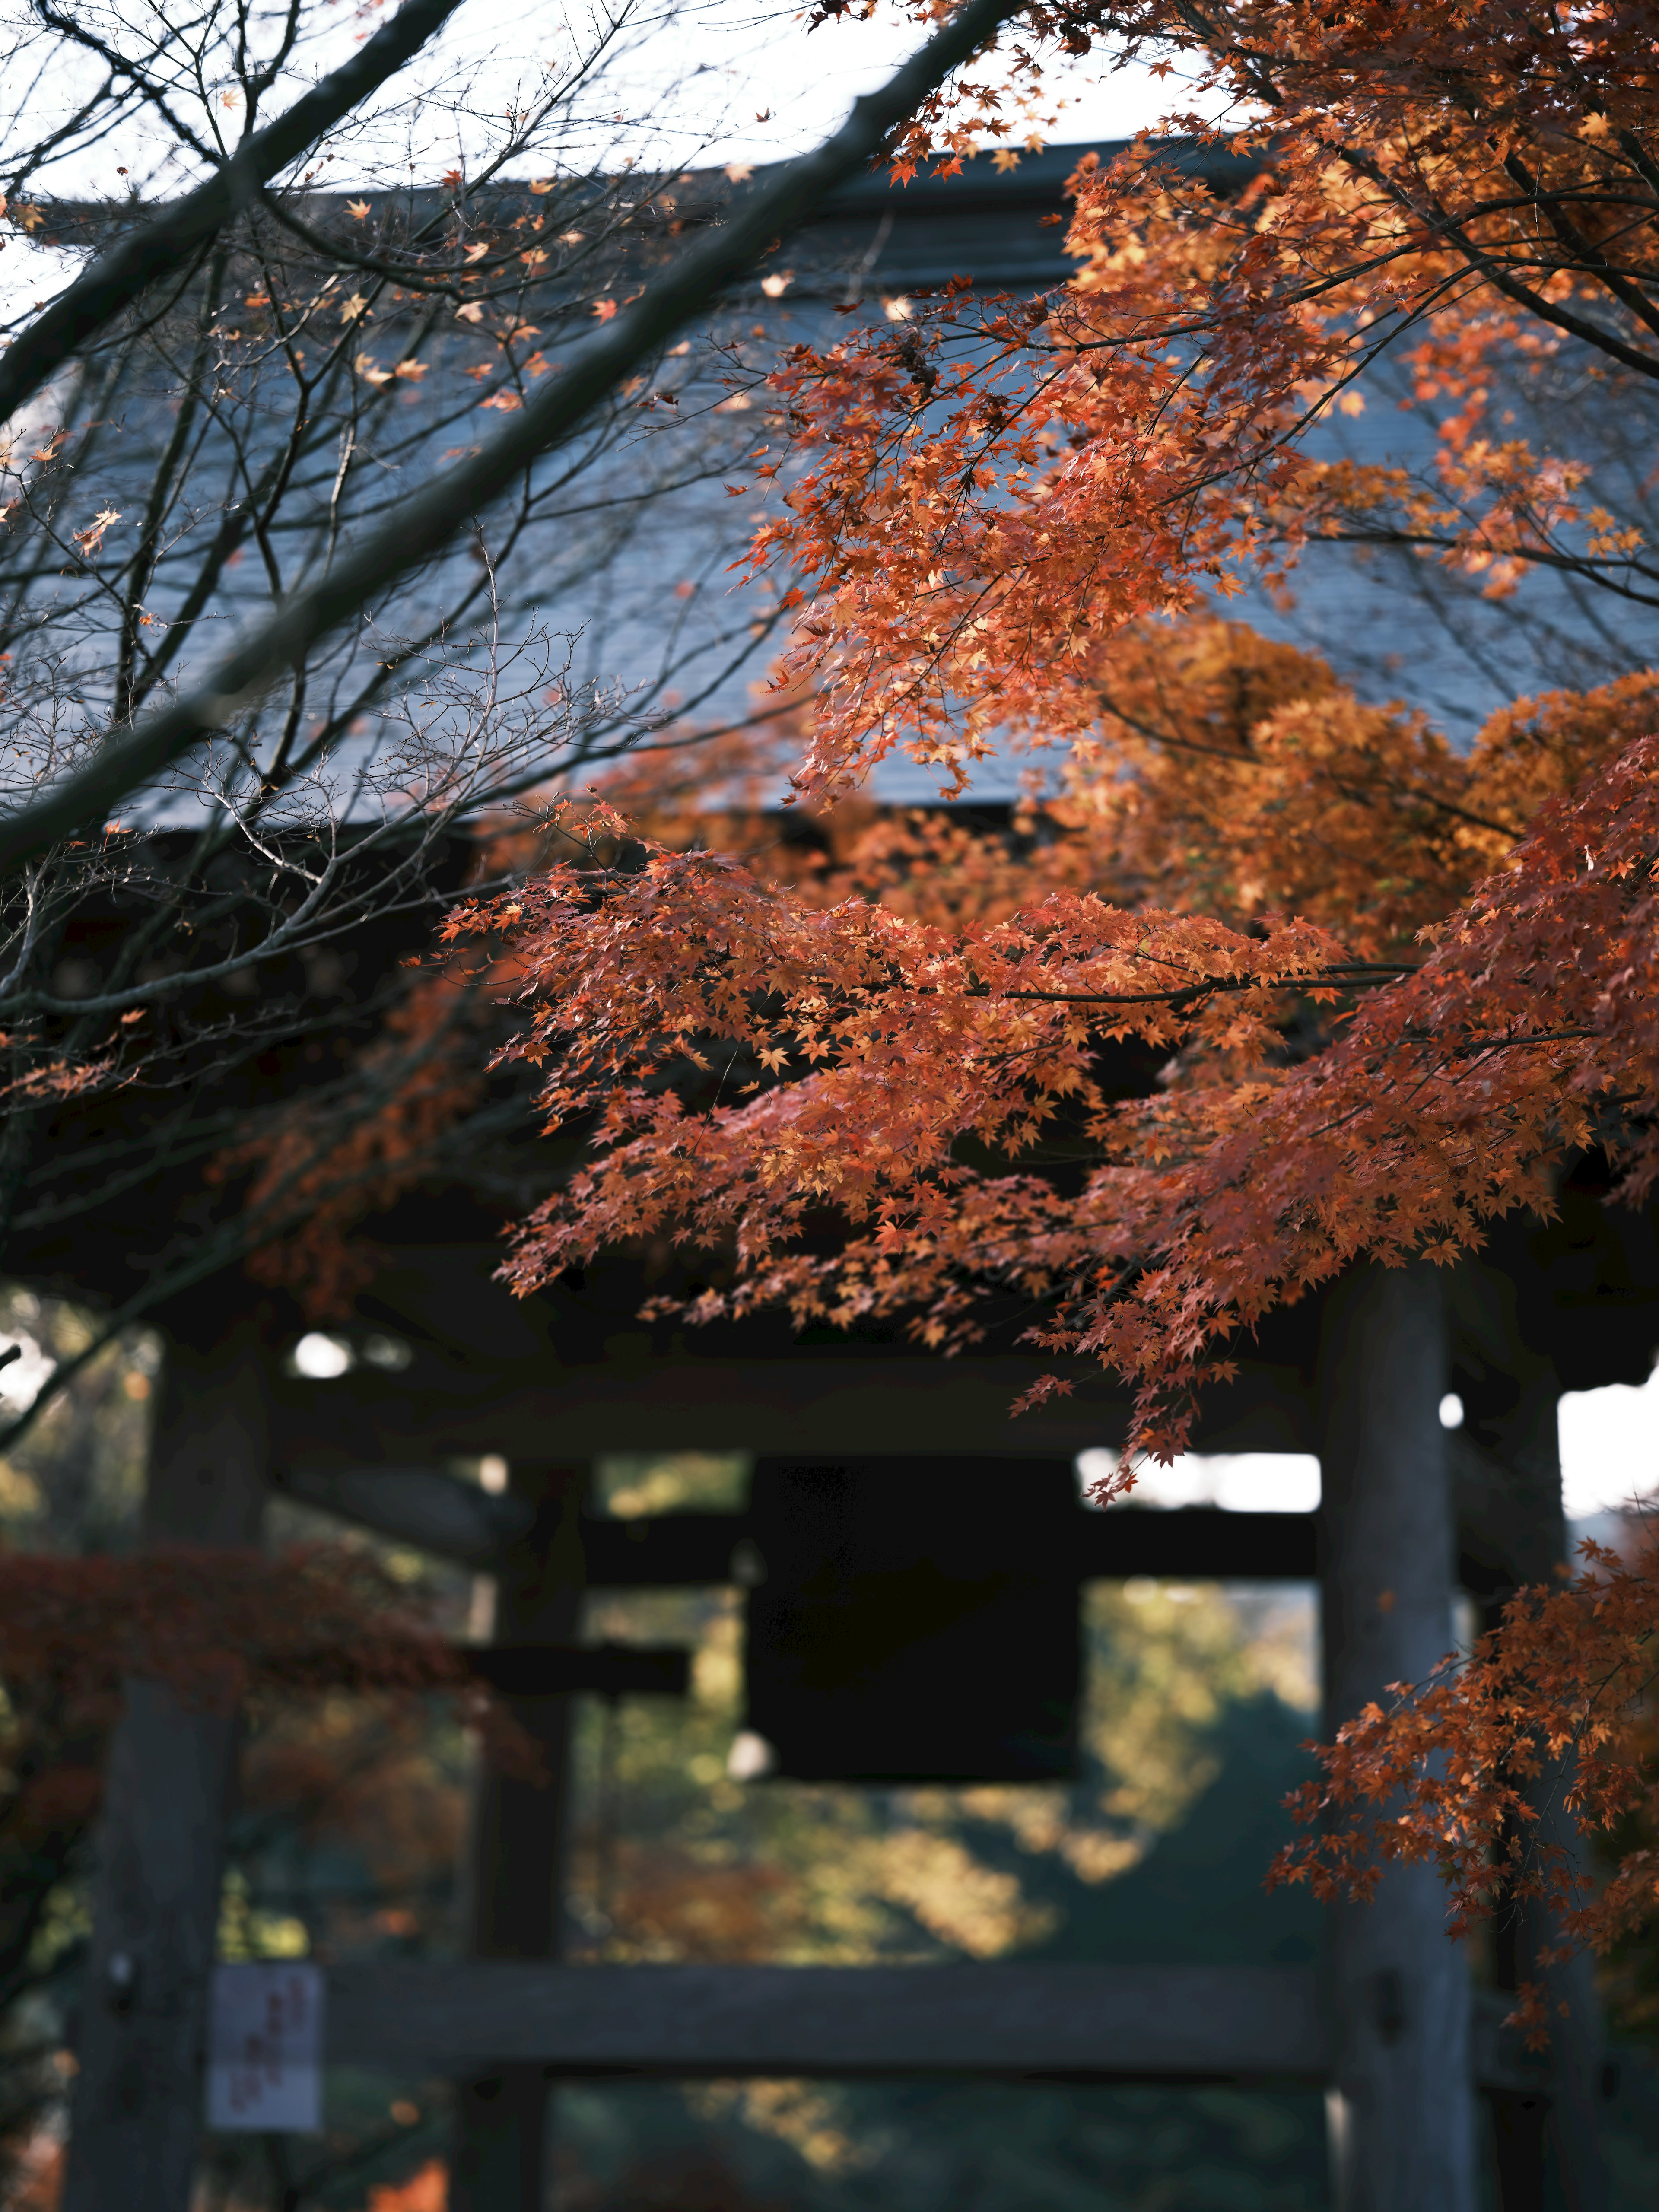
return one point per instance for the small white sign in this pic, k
(265, 2049)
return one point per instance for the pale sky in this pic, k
(708, 82)
(756, 61)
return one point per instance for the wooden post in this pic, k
(136, 2115)
(520, 1839)
(1549, 2150)
(1403, 2106)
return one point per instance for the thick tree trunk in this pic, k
(520, 1841)
(1404, 2111)
(1550, 2154)
(137, 2110)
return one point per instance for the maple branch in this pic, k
(1597, 569)
(1452, 1049)
(1362, 971)
(1579, 326)
(1640, 160)
(1629, 295)
(423, 524)
(173, 239)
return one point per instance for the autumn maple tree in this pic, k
(1386, 985)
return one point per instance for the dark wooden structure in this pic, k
(1390, 2024)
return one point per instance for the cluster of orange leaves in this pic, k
(885, 1039)
(1548, 1717)
(426, 2190)
(909, 1035)
(990, 493)
(218, 1627)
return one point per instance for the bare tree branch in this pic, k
(419, 527)
(171, 242)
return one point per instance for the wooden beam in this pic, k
(437, 1512)
(998, 2020)
(562, 1670)
(1201, 1542)
(845, 1401)
(1122, 2022)
(419, 1505)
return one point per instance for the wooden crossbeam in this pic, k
(513, 1396)
(1193, 1542)
(419, 1505)
(439, 1512)
(609, 1670)
(1003, 2021)
(1141, 2022)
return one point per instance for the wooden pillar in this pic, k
(520, 1840)
(136, 2115)
(1549, 2149)
(1403, 2108)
